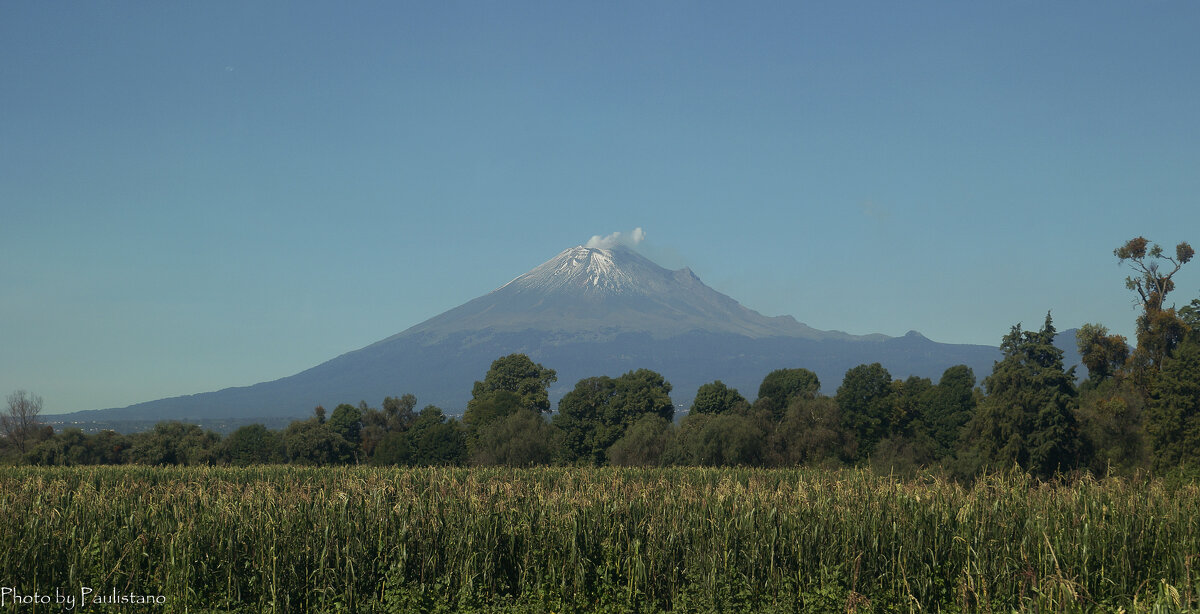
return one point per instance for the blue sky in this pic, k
(202, 195)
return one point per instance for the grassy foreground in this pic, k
(288, 539)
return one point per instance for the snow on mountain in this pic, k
(600, 271)
(588, 269)
(602, 292)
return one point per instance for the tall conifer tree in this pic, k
(1027, 417)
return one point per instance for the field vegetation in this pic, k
(557, 539)
(1035, 491)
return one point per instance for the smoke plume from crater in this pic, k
(637, 235)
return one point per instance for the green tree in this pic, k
(867, 405)
(581, 415)
(347, 422)
(109, 447)
(1159, 328)
(639, 393)
(252, 444)
(1027, 417)
(435, 440)
(644, 444)
(1190, 315)
(492, 407)
(1112, 417)
(517, 374)
(599, 410)
(948, 408)
(908, 443)
(398, 411)
(396, 417)
(1173, 417)
(74, 447)
(62, 449)
(482, 414)
(811, 433)
(313, 442)
(1103, 354)
(781, 386)
(910, 399)
(393, 448)
(719, 440)
(717, 398)
(521, 439)
(174, 443)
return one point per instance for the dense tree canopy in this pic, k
(174, 443)
(519, 375)
(492, 407)
(436, 440)
(780, 387)
(644, 444)
(346, 421)
(867, 405)
(1102, 354)
(253, 444)
(1173, 419)
(1190, 314)
(393, 448)
(811, 432)
(74, 447)
(717, 398)
(1027, 417)
(948, 408)
(599, 410)
(720, 440)
(520, 439)
(395, 418)
(1112, 418)
(910, 401)
(581, 418)
(313, 442)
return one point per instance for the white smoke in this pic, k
(637, 235)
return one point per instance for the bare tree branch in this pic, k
(20, 423)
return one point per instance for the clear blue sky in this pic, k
(210, 194)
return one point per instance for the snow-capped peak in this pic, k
(608, 290)
(592, 269)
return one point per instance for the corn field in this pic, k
(289, 539)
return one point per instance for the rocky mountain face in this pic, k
(585, 312)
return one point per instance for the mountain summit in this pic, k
(594, 271)
(588, 311)
(603, 292)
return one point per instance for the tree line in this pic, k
(1138, 410)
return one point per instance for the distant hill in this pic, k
(585, 312)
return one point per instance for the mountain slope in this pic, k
(585, 312)
(602, 292)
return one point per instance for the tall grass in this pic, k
(288, 539)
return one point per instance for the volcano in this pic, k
(588, 311)
(602, 293)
